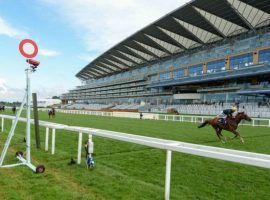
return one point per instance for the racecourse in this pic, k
(129, 171)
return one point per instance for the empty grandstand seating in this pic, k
(81, 106)
(253, 109)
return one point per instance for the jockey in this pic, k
(226, 113)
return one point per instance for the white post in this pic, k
(28, 116)
(79, 149)
(90, 145)
(269, 123)
(53, 141)
(2, 125)
(47, 139)
(253, 122)
(168, 174)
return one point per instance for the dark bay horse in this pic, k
(51, 113)
(231, 125)
(2, 108)
(14, 109)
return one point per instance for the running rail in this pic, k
(248, 158)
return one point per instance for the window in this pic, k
(241, 61)
(178, 73)
(215, 66)
(264, 56)
(153, 78)
(164, 76)
(195, 70)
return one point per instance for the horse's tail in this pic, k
(204, 124)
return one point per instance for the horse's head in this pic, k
(243, 115)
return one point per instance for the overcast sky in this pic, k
(69, 34)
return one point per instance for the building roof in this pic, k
(196, 24)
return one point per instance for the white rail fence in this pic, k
(179, 118)
(254, 159)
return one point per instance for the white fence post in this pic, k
(53, 141)
(79, 148)
(168, 174)
(47, 139)
(90, 144)
(253, 122)
(2, 125)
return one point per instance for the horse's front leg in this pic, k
(236, 135)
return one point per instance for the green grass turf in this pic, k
(128, 171)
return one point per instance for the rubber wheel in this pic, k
(19, 153)
(40, 169)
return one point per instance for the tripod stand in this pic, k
(19, 155)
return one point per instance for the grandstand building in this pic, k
(204, 51)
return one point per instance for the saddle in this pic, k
(222, 121)
(225, 121)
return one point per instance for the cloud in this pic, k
(86, 57)
(8, 30)
(102, 24)
(3, 87)
(8, 93)
(48, 53)
(12, 94)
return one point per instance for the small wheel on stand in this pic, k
(40, 169)
(19, 153)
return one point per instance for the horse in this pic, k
(14, 109)
(2, 108)
(51, 113)
(231, 125)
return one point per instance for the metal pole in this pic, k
(168, 174)
(11, 132)
(28, 116)
(79, 149)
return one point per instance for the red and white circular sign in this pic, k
(28, 48)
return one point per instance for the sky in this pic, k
(69, 35)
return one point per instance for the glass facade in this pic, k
(216, 66)
(195, 70)
(154, 78)
(164, 76)
(179, 73)
(264, 56)
(242, 61)
(134, 81)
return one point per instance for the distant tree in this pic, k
(55, 97)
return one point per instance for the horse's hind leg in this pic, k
(225, 138)
(219, 134)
